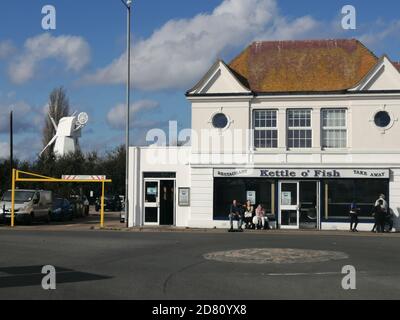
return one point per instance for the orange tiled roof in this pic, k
(397, 65)
(313, 65)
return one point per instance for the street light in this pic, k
(11, 140)
(127, 4)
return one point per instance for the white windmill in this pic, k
(68, 132)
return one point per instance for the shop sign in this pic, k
(304, 173)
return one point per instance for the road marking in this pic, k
(294, 274)
(301, 274)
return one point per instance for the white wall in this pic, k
(157, 159)
(394, 199)
(202, 198)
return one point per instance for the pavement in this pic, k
(175, 264)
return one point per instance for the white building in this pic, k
(303, 127)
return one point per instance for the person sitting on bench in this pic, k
(236, 214)
(261, 220)
(248, 215)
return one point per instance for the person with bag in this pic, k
(248, 215)
(260, 219)
(236, 214)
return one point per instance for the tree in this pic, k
(58, 108)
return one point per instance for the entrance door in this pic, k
(151, 202)
(167, 202)
(309, 205)
(289, 204)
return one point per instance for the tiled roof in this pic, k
(313, 65)
(397, 65)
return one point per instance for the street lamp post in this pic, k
(127, 4)
(11, 141)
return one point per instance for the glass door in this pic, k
(309, 205)
(289, 204)
(151, 202)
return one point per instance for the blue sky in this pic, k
(175, 42)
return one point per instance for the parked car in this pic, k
(80, 206)
(111, 203)
(61, 210)
(30, 205)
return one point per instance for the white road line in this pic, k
(307, 274)
(301, 274)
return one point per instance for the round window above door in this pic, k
(220, 121)
(382, 119)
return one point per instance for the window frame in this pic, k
(325, 129)
(299, 128)
(265, 129)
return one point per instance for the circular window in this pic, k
(382, 119)
(220, 121)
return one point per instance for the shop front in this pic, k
(302, 198)
(159, 199)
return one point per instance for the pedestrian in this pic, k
(236, 215)
(354, 211)
(261, 219)
(248, 215)
(383, 203)
(379, 215)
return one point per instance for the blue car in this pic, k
(61, 210)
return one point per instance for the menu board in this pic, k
(184, 197)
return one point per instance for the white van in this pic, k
(30, 205)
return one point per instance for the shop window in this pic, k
(228, 189)
(265, 129)
(299, 129)
(339, 194)
(334, 128)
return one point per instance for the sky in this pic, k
(174, 43)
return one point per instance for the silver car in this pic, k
(30, 205)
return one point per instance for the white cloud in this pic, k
(381, 31)
(72, 50)
(181, 51)
(117, 115)
(4, 150)
(26, 118)
(6, 49)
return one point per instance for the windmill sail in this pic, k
(49, 144)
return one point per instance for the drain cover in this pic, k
(275, 256)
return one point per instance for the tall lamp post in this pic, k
(127, 4)
(11, 142)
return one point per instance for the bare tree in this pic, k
(58, 108)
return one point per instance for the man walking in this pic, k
(354, 217)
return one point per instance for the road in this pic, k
(171, 265)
